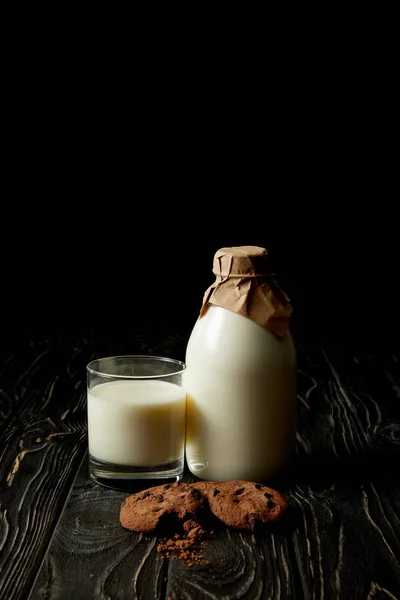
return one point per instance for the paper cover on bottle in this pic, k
(243, 285)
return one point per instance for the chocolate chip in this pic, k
(167, 486)
(268, 495)
(196, 494)
(270, 504)
(160, 498)
(145, 495)
(239, 491)
(258, 486)
(235, 500)
(215, 492)
(252, 522)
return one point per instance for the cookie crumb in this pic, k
(185, 547)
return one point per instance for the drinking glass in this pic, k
(136, 419)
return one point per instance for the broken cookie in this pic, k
(144, 510)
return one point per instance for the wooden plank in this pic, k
(17, 366)
(40, 450)
(341, 535)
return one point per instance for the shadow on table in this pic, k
(378, 465)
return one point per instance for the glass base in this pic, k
(122, 477)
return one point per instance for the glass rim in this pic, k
(165, 359)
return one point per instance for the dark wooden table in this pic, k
(60, 535)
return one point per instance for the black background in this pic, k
(116, 262)
(108, 225)
(119, 184)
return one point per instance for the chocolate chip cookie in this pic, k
(243, 505)
(144, 510)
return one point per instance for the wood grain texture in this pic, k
(339, 539)
(40, 449)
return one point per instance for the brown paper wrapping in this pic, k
(244, 286)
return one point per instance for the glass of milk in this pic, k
(136, 419)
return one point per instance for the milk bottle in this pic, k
(240, 376)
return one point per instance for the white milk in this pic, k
(240, 381)
(136, 423)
